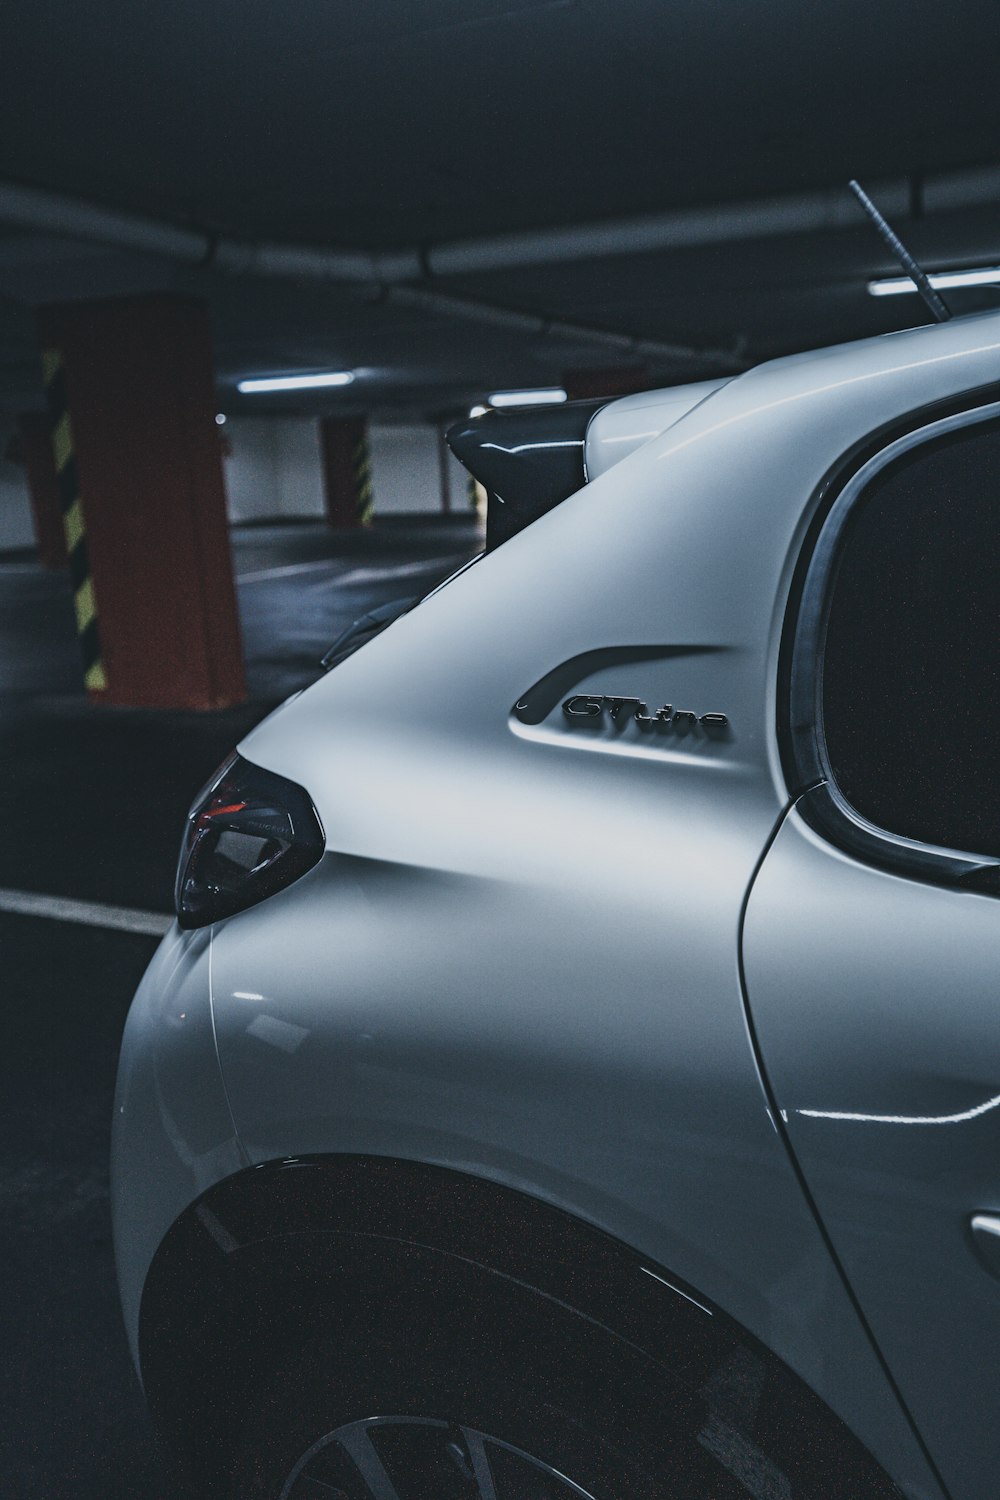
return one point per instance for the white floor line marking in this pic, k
(404, 570)
(352, 575)
(286, 569)
(91, 913)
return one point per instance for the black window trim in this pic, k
(822, 803)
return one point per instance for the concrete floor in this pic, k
(91, 806)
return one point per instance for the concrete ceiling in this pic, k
(390, 123)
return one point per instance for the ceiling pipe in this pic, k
(685, 228)
(677, 229)
(313, 263)
(37, 209)
(375, 277)
(537, 326)
(393, 273)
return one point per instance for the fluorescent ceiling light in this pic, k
(296, 382)
(894, 286)
(548, 397)
(478, 411)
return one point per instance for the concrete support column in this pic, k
(136, 451)
(347, 479)
(35, 451)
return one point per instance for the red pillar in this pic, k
(346, 470)
(35, 451)
(139, 470)
(580, 385)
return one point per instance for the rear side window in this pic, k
(909, 693)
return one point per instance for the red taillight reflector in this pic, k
(249, 834)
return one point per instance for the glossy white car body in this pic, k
(528, 952)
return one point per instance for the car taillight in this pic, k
(249, 833)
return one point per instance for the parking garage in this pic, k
(255, 264)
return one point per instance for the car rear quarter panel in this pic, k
(519, 957)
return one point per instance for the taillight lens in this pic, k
(249, 833)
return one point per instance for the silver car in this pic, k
(576, 1067)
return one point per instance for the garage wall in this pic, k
(406, 475)
(273, 472)
(458, 485)
(405, 469)
(16, 525)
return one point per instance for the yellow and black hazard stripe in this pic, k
(364, 504)
(478, 497)
(73, 523)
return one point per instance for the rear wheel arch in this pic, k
(278, 1254)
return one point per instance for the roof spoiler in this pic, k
(528, 460)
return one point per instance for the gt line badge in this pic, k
(590, 708)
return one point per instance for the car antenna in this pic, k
(916, 273)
